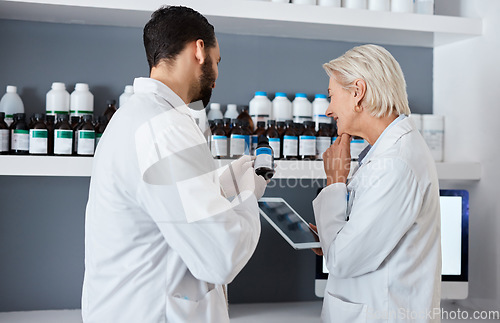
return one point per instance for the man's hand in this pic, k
(337, 160)
(317, 251)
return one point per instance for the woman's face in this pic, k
(341, 108)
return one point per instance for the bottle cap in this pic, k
(324, 125)
(232, 106)
(58, 86)
(289, 122)
(260, 93)
(227, 120)
(75, 119)
(38, 116)
(214, 106)
(2, 115)
(11, 89)
(320, 96)
(87, 118)
(218, 121)
(62, 117)
(309, 123)
(129, 89)
(50, 118)
(280, 95)
(235, 121)
(261, 124)
(81, 87)
(280, 123)
(110, 102)
(19, 115)
(301, 95)
(271, 123)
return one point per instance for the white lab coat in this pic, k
(380, 235)
(160, 239)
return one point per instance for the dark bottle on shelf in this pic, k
(264, 161)
(85, 137)
(218, 142)
(261, 130)
(4, 135)
(110, 109)
(281, 127)
(63, 136)
(211, 124)
(290, 142)
(227, 125)
(75, 121)
(99, 128)
(38, 136)
(247, 132)
(50, 121)
(236, 140)
(274, 138)
(307, 142)
(323, 139)
(245, 116)
(19, 135)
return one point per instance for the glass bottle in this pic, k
(50, 121)
(261, 130)
(237, 140)
(38, 136)
(19, 135)
(218, 143)
(245, 116)
(4, 135)
(99, 128)
(110, 109)
(290, 142)
(264, 161)
(85, 137)
(63, 136)
(307, 142)
(274, 138)
(323, 139)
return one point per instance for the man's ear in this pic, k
(199, 52)
(359, 90)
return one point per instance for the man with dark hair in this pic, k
(162, 236)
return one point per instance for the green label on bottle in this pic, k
(65, 134)
(39, 133)
(86, 134)
(21, 132)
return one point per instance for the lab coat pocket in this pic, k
(211, 308)
(337, 310)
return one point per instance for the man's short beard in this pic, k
(206, 81)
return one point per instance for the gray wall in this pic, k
(41, 219)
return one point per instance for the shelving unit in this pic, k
(260, 18)
(285, 169)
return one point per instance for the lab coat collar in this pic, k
(391, 137)
(149, 85)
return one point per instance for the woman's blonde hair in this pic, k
(385, 82)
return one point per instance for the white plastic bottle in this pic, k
(214, 112)
(330, 3)
(302, 108)
(425, 7)
(127, 93)
(433, 132)
(282, 108)
(379, 5)
(82, 101)
(355, 4)
(307, 2)
(402, 6)
(57, 100)
(11, 104)
(320, 104)
(260, 108)
(231, 111)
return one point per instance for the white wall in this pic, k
(467, 92)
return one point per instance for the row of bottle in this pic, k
(288, 140)
(280, 109)
(58, 101)
(417, 6)
(42, 136)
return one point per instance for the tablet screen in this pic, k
(288, 221)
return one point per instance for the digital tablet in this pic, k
(288, 223)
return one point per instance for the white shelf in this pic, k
(285, 169)
(261, 18)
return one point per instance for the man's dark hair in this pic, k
(170, 29)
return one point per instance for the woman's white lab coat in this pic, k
(160, 239)
(380, 235)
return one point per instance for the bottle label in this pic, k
(322, 144)
(38, 141)
(4, 140)
(275, 144)
(255, 141)
(307, 146)
(357, 146)
(290, 146)
(248, 144)
(219, 146)
(264, 158)
(20, 140)
(86, 142)
(237, 145)
(63, 141)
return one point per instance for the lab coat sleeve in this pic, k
(385, 206)
(214, 237)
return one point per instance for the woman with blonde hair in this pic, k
(380, 229)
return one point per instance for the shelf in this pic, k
(245, 17)
(285, 169)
